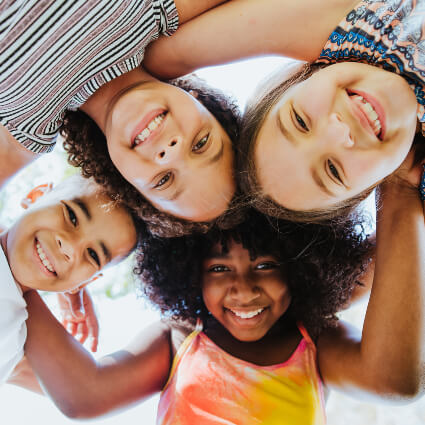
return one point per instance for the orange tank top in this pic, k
(209, 386)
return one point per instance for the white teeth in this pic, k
(43, 258)
(144, 134)
(370, 112)
(247, 314)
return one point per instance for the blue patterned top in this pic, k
(388, 34)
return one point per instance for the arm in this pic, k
(389, 359)
(82, 387)
(247, 28)
(13, 156)
(23, 376)
(189, 9)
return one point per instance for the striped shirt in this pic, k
(54, 54)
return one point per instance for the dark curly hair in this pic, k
(321, 265)
(87, 149)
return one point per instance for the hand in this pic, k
(79, 317)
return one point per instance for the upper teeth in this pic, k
(43, 258)
(247, 314)
(370, 112)
(144, 134)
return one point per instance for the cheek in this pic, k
(212, 295)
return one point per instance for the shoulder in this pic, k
(178, 330)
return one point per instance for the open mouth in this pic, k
(147, 130)
(43, 258)
(371, 110)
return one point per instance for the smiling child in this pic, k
(58, 245)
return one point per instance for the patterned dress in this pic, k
(388, 34)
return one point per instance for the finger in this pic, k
(93, 328)
(76, 305)
(82, 332)
(93, 344)
(72, 328)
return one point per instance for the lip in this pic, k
(143, 124)
(246, 323)
(364, 119)
(40, 263)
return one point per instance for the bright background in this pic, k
(122, 315)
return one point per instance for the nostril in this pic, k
(162, 154)
(173, 143)
(59, 243)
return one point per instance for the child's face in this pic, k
(246, 297)
(334, 135)
(173, 150)
(63, 240)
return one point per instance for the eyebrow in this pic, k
(218, 155)
(217, 255)
(285, 131)
(320, 183)
(106, 252)
(83, 207)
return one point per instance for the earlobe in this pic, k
(35, 194)
(194, 93)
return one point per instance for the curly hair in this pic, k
(266, 96)
(86, 146)
(321, 266)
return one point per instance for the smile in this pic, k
(247, 314)
(151, 126)
(43, 257)
(371, 110)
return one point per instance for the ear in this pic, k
(84, 284)
(36, 193)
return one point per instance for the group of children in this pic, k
(249, 332)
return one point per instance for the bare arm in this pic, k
(389, 359)
(82, 387)
(189, 9)
(247, 28)
(23, 376)
(13, 156)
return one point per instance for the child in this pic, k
(354, 123)
(166, 145)
(254, 361)
(58, 245)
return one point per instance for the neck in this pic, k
(100, 103)
(3, 241)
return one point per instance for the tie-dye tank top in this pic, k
(388, 34)
(209, 386)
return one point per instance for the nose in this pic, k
(244, 292)
(66, 247)
(170, 151)
(338, 132)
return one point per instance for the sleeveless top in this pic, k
(388, 34)
(209, 386)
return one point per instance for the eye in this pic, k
(267, 265)
(200, 144)
(163, 180)
(219, 268)
(300, 121)
(72, 217)
(334, 171)
(92, 253)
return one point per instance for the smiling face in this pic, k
(172, 149)
(334, 135)
(246, 297)
(65, 239)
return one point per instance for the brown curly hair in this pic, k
(320, 264)
(256, 111)
(86, 146)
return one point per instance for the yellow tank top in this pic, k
(209, 386)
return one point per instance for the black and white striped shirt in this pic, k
(54, 54)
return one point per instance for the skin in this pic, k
(322, 145)
(71, 231)
(185, 166)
